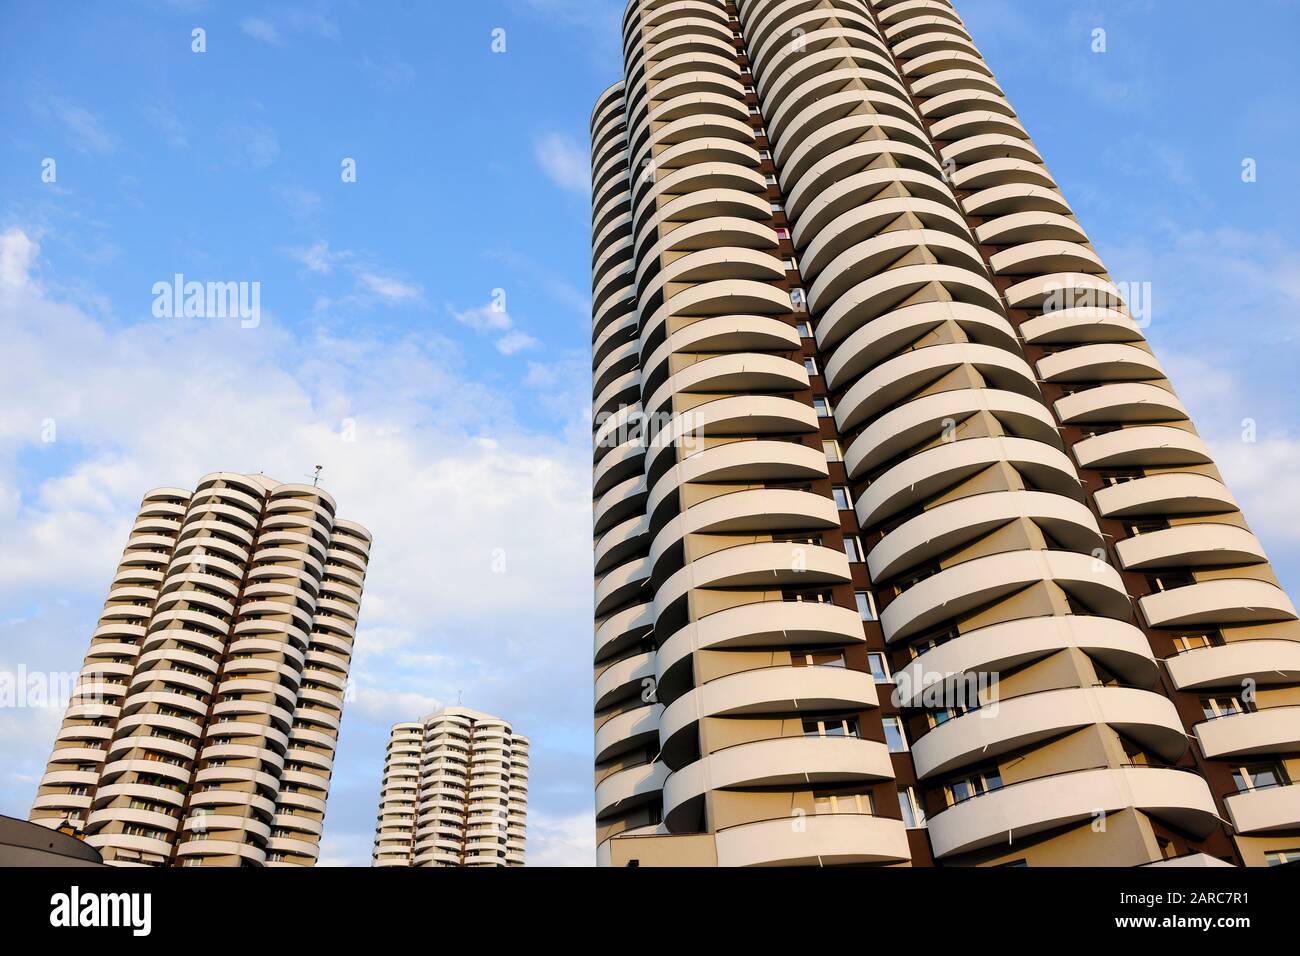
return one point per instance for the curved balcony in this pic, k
(736, 372)
(1080, 324)
(779, 762)
(1190, 545)
(740, 462)
(623, 678)
(986, 146)
(780, 689)
(627, 731)
(846, 132)
(621, 542)
(763, 564)
(866, 259)
(1174, 493)
(625, 500)
(1013, 198)
(831, 238)
(976, 583)
(1016, 723)
(1264, 661)
(1101, 362)
(1120, 402)
(1025, 809)
(1263, 812)
(1271, 730)
(879, 294)
(1046, 255)
(954, 524)
(720, 297)
(752, 511)
(884, 337)
(830, 839)
(622, 630)
(1119, 646)
(996, 170)
(1023, 227)
(925, 419)
(1142, 446)
(894, 380)
(1220, 601)
(927, 473)
(627, 789)
(1048, 292)
(761, 624)
(844, 179)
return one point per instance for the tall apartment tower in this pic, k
(874, 428)
(202, 728)
(454, 793)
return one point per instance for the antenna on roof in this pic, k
(315, 476)
(459, 694)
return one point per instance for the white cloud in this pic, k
(260, 29)
(17, 253)
(561, 841)
(388, 288)
(169, 124)
(492, 319)
(565, 162)
(485, 318)
(317, 257)
(515, 341)
(480, 581)
(88, 131)
(257, 145)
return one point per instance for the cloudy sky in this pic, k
(458, 431)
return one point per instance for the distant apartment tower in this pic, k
(874, 424)
(203, 725)
(454, 793)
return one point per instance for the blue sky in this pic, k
(469, 424)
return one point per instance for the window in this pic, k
(804, 329)
(831, 727)
(843, 803)
(796, 299)
(776, 206)
(841, 496)
(1169, 581)
(1278, 857)
(975, 785)
(818, 597)
(895, 737)
(832, 658)
(853, 548)
(781, 233)
(879, 667)
(822, 407)
(1192, 642)
(913, 812)
(1259, 776)
(937, 717)
(832, 450)
(810, 365)
(866, 605)
(1225, 706)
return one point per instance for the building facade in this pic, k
(454, 792)
(906, 552)
(203, 725)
